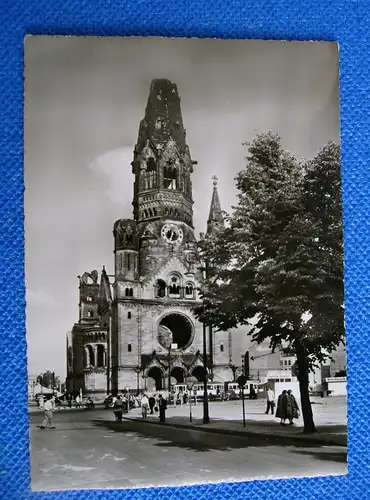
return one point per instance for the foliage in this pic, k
(48, 379)
(277, 263)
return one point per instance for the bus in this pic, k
(232, 389)
(214, 389)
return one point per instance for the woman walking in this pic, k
(292, 407)
(282, 407)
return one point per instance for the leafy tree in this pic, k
(277, 263)
(48, 379)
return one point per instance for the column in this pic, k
(95, 347)
(87, 354)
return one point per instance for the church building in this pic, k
(136, 328)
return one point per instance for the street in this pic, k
(89, 450)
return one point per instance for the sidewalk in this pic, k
(226, 418)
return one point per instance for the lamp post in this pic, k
(137, 371)
(205, 384)
(190, 384)
(171, 346)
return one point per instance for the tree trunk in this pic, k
(302, 365)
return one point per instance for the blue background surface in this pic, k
(347, 22)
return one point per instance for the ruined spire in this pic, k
(215, 213)
(163, 119)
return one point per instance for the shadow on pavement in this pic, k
(196, 440)
(328, 456)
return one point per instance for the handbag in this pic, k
(156, 408)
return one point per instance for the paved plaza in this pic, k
(89, 450)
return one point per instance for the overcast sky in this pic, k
(84, 99)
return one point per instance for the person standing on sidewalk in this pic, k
(282, 407)
(292, 407)
(49, 407)
(144, 405)
(118, 409)
(151, 404)
(162, 403)
(270, 400)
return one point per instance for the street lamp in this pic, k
(137, 371)
(190, 384)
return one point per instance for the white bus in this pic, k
(213, 388)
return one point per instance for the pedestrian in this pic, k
(144, 406)
(49, 407)
(41, 402)
(118, 408)
(292, 407)
(270, 400)
(282, 407)
(125, 403)
(151, 404)
(162, 403)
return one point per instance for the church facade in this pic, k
(137, 329)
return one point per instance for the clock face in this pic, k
(191, 257)
(172, 234)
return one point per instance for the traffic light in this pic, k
(246, 365)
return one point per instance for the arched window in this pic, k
(151, 174)
(90, 314)
(174, 286)
(160, 288)
(100, 356)
(129, 315)
(189, 290)
(89, 298)
(129, 347)
(129, 292)
(89, 356)
(129, 239)
(128, 262)
(221, 348)
(169, 177)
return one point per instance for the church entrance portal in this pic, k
(198, 373)
(177, 375)
(155, 379)
(181, 328)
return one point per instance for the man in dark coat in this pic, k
(162, 403)
(151, 404)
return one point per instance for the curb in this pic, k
(267, 435)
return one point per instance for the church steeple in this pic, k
(215, 213)
(162, 164)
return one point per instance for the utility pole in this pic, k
(205, 385)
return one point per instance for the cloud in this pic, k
(115, 167)
(41, 298)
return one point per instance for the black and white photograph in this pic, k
(184, 261)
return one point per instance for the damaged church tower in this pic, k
(155, 335)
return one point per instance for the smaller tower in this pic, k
(125, 250)
(215, 217)
(221, 343)
(88, 297)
